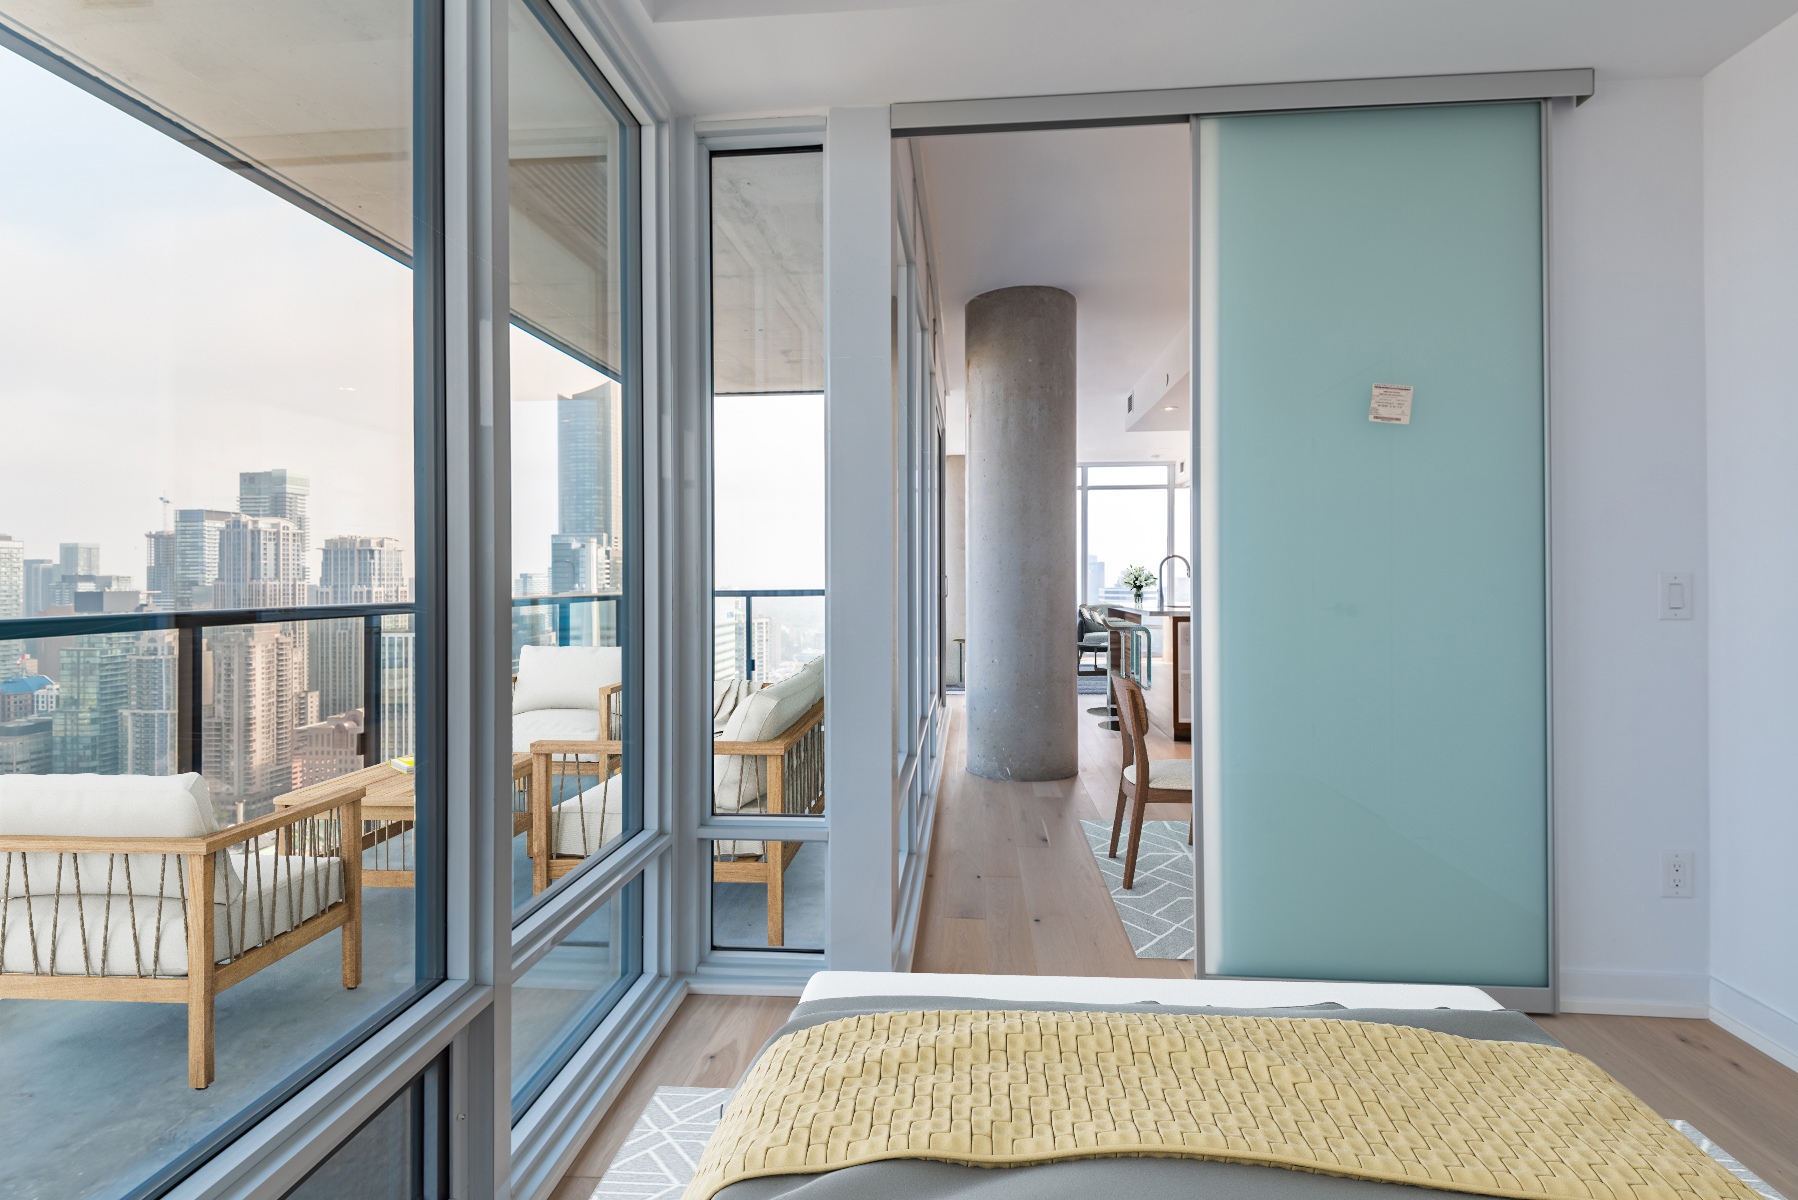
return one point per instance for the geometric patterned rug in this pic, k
(1728, 1160)
(1157, 912)
(659, 1157)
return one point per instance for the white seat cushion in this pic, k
(565, 676)
(588, 819)
(555, 724)
(1098, 640)
(45, 934)
(1174, 774)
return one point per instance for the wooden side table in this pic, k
(389, 812)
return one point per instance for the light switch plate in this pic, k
(1676, 596)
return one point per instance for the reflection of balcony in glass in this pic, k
(260, 563)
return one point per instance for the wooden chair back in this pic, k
(1133, 721)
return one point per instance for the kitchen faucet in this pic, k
(1160, 582)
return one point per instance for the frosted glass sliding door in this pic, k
(1373, 633)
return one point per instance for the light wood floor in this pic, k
(707, 1044)
(1012, 887)
(1013, 890)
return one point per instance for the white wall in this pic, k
(1751, 290)
(1628, 483)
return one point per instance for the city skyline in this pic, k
(201, 376)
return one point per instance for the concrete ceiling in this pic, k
(742, 57)
(1101, 213)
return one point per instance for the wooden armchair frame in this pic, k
(304, 827)
(788, 792)
(551, 759)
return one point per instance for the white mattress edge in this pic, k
(1228, 993)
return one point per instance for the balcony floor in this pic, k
(95, 1095)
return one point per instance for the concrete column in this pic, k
(1022, 541)
(955, 565)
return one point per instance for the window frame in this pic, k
(1083, 490)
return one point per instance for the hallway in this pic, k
(1013, 888)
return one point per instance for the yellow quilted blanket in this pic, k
(1382, 1102)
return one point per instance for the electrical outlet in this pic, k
(1676, 875)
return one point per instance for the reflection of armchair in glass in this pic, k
(567, 712)
(117, 885)
(769, 759)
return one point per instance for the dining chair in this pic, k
(1164, 781)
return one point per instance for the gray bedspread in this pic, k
(1106, 1178)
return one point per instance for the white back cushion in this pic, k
(739, 782)
(565, 676)
(116, 806)
(106, 805)
(727, 695)
(771, 711)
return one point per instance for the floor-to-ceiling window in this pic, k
(577, 795)
(1134, 516)
(211, 613)
(767, 282)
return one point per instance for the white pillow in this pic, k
(727, 696)
(772, 711)
(764, 715)
(106, 805)
(565, 676)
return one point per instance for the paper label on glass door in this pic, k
(1391, 404)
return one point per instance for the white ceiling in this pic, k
(746, 57)
(1101, 213)
(1055, 208)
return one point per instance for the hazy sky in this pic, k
(769, 481)
(165, 324)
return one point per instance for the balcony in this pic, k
(99, 1097)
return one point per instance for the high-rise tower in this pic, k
(260, 564)
(196, 569)
(281, 494)
(12, 600)
(589, 491)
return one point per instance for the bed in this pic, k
(1460, 1018)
